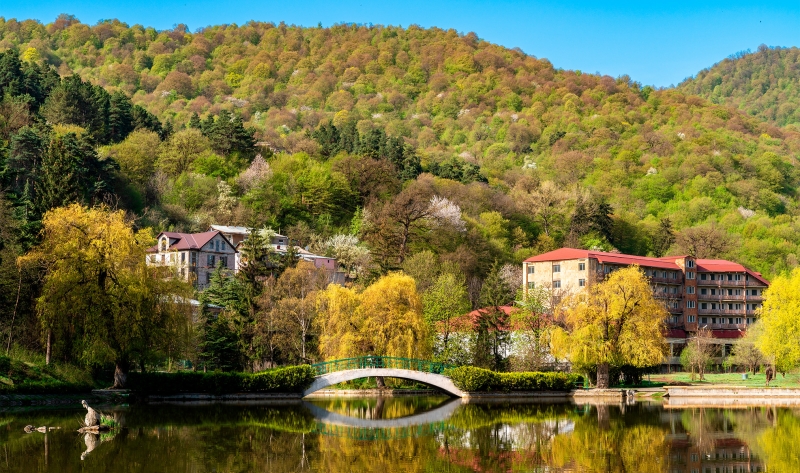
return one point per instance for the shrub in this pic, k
(292, 379)
(471, 379)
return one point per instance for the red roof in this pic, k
(469, 321)
(603, 257)
(187, 241)
(728, 333)
(676, 333)
(665, 262)
(725, 266)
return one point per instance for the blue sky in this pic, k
(656, 43)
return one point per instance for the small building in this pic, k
(194, 256)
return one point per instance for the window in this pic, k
(556, 268)
(194, 259)
(738, 306)
(703, 277)
(222, 244)
(690, 304)
(749, 321)
(689, 263)
(703, 292)
(556, 284)
(675, 305)
(730, 292)
(703, 320)
(664, 274)
(703, 305)
(673, 290)
(730, 277)
(689, 274)
(738, 321)
(713, 306)
(737, 277)
(690, 290)
(713, 292)
(754, 292)
(581, 266)
(183, 257)
(730, 320)
(713, 320)
(730, 306)
(531, 284)
(674, 275)
(531, 269)
(690, 319)
(208, 277)
(162, 259)
(581, 282)
(211, 261)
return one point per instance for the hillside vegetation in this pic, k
(764, 84)
(404, 140)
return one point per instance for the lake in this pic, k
(407, 434)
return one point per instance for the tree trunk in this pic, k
(379, 381)
(603, 417)
(120, 374)
(602, 376)
(49, 347)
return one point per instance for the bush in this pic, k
(471, 379)
(292, 379)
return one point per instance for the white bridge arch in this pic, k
(431, 379)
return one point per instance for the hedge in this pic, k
(292, 379)
(472, 379)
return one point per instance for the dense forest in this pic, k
(763, 84)
(386, 147)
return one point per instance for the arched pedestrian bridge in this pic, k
(421, 371)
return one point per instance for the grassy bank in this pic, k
(792, 380)
(25, 373)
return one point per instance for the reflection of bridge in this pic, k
(421, 371)
(425, 423)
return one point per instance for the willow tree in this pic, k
(385, 320)
(779, 339)
(612, 323)
(100, 302)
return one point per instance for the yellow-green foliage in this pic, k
(385, 319)
(779, 323)
(616, 321)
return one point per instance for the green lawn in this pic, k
(792, 380)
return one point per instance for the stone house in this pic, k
(194, 256)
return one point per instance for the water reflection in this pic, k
(409, 435)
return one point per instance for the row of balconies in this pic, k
(739, 312)
(725, 283)
(724, 297)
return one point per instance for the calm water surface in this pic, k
(417, 434)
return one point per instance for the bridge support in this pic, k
(434, 380)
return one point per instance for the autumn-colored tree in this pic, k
(612, 323)
(385, 319)
(779, 340)
(100, 302)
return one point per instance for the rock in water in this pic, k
(92, 416)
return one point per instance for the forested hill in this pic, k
(402, 140)
(765, 84)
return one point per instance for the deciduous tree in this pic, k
(780, 338)
(612, 323)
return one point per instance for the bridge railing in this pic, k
(363, 362)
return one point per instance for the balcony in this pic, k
(732, 312)
(721, 283)
(667, 280)
(722, 297)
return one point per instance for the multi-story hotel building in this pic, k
(720, 295)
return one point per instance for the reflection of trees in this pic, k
(778, 445)
(380, 407)
(616, 446)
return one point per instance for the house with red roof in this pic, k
(720, 295)
(194, 256)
